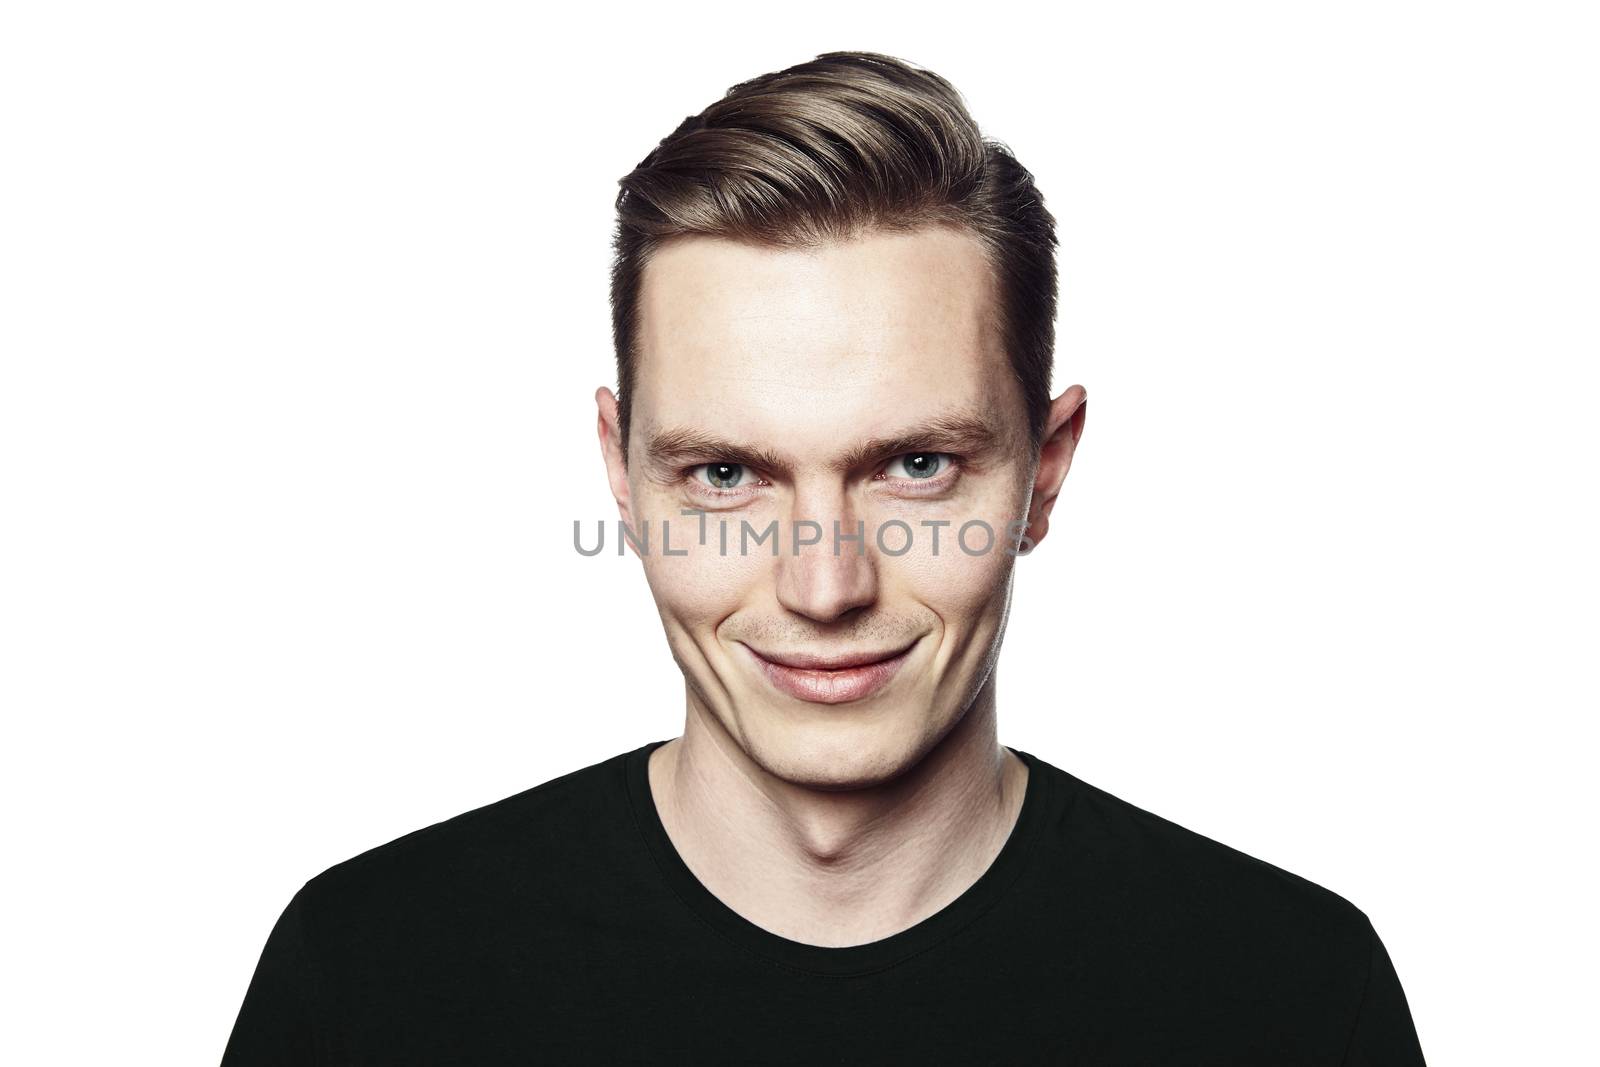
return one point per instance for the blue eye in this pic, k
(918, 465)
(721, 475)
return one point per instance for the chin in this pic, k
(834, 751)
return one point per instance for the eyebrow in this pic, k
(676, 446)
(964, 433)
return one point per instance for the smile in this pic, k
(831, 679)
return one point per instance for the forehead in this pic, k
(818, 346)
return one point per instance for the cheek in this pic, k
(694, 586)
(961, 589)
(700, 589)
(968, 577)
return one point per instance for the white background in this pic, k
(303, 308)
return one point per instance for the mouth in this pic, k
(831, 678)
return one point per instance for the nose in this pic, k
(817, 583)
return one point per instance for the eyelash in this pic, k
(704, 488)
(923, 486)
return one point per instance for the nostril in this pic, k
(826, 588)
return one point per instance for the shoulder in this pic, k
(1175, 885)
(527, 842)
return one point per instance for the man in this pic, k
(833, 434)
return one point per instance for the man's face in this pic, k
(861, 383)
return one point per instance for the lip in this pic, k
(831, 679)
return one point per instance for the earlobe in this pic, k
(606, 426)
(1063, 431)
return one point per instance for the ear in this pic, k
(1063, 429)
(611, 452)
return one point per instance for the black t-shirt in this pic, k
(560, 926)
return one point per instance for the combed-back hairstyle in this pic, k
(824, 151)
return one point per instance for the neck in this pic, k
(838, 867)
